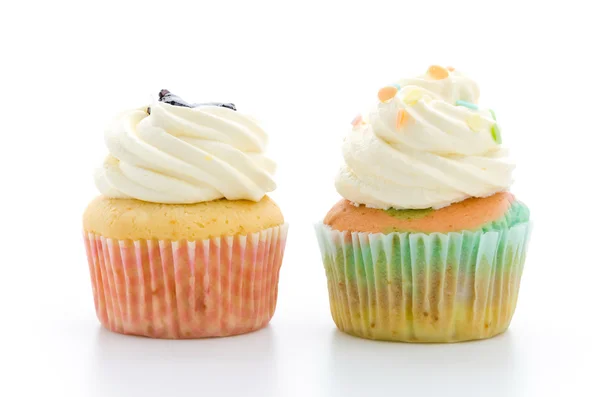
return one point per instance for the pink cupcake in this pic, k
(183, 242)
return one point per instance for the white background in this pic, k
(305, 69)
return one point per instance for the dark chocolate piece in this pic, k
(167, 97)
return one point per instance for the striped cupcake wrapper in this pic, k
(416, 287)
(186, 289)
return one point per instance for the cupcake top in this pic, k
(427, 144)
(496, 212)
(176, 153)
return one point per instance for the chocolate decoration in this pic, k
(167, 97)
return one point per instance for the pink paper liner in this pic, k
(186, 289)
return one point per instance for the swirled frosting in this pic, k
(427, 144)
(185, 155)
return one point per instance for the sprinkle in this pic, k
(357, 120)
(474, 122)
(496, 134)
(208, 157)
(397, 86)
(387, 93)
(493, 114)
(437, 72)
(412, 97)
(450, 68)
(402, 118)
(467, 105)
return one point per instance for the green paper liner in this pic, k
(417, 287)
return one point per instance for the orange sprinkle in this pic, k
(357, 120)
(387, 93)
(450, 68)
(402, 118)
(437, 72)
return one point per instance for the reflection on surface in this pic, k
(306, 361)
(131, 366)
(490, 367)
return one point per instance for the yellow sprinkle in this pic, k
(475, 122)
(412, 97)
(402, 118)
(207, 157)
(437, 72)
(387, 93)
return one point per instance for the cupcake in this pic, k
(183, 241)
(427, 244)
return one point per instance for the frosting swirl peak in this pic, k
(184, 155)
(427, 144)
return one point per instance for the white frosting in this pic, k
(185, 155)
(443, 154)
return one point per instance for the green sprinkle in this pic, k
(467, 105)
(493, 114)
(496, 134)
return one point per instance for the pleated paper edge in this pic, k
(331, 240)
(104, 253)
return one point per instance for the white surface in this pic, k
(304, 69)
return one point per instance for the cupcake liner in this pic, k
(186, 289)
(416, 287)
